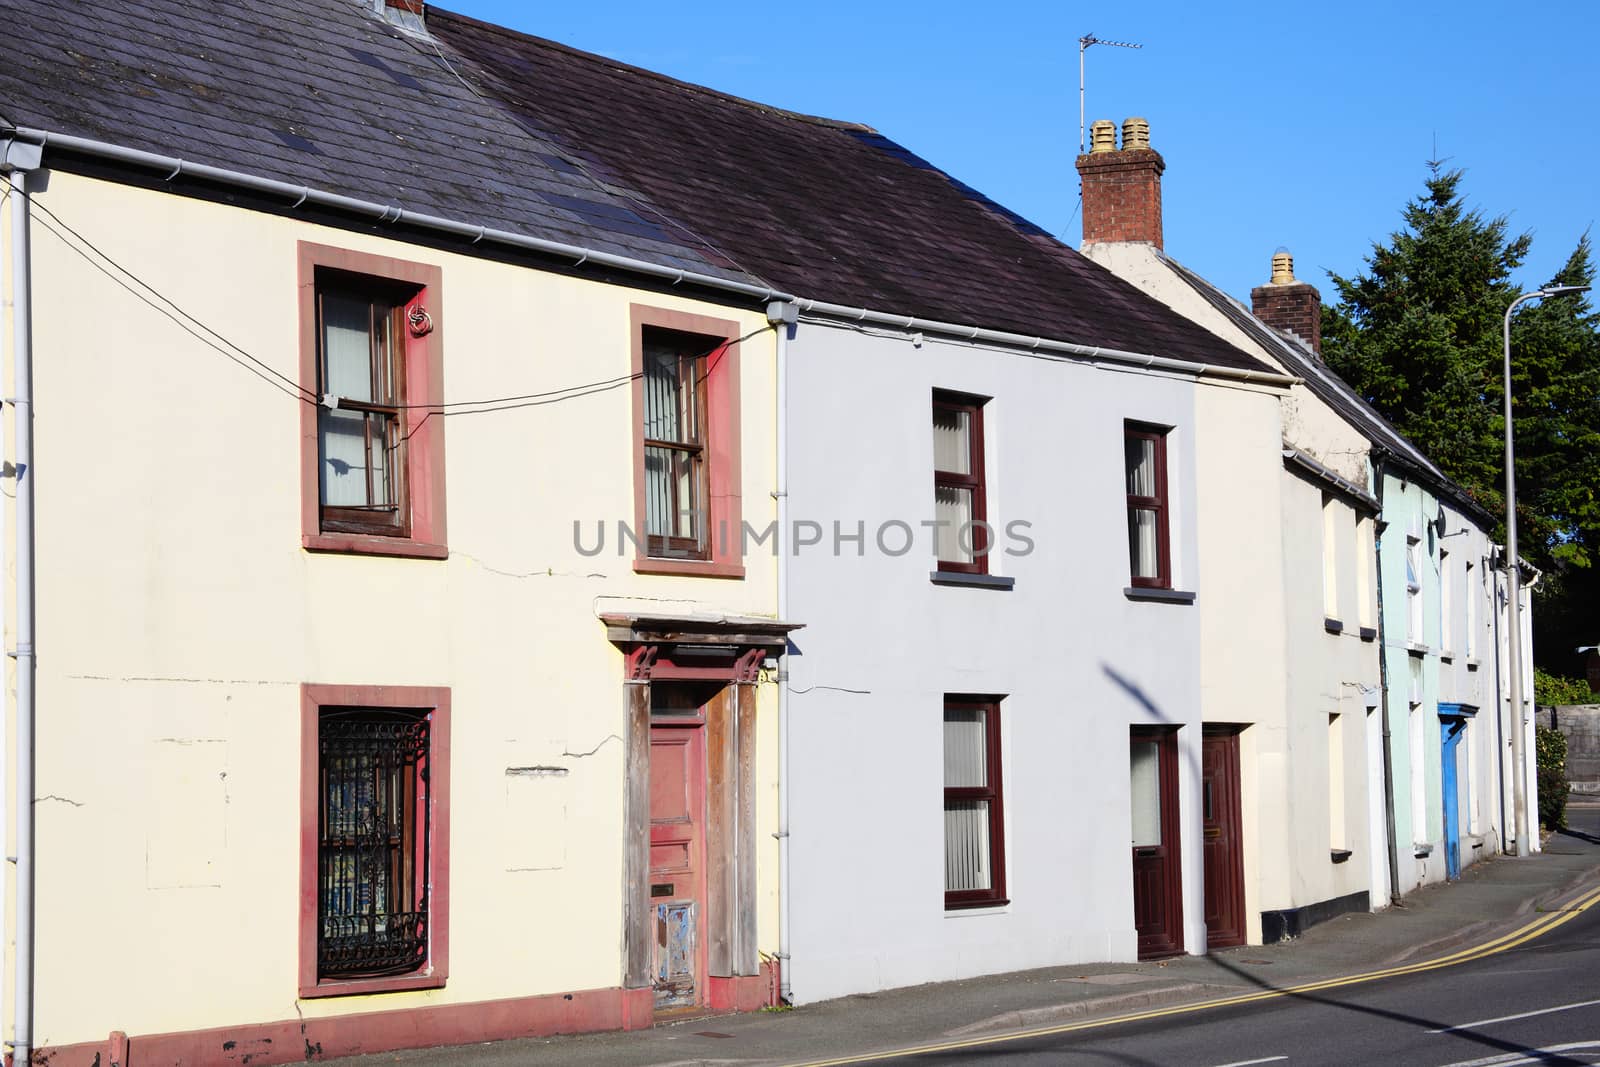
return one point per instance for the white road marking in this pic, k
(1247, 1063)
(1532, 1055)
(1510, 1018)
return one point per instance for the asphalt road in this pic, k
(1534, 1003)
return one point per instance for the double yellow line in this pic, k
(1537, 928)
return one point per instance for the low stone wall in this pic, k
(1580, 723)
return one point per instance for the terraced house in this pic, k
(336, 729)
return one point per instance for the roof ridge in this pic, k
(1320, 371)
(741, 101)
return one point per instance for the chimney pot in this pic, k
(1282, 267)
(1103, 136)
(1135, 134)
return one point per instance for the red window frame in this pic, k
(1158, 504)
(722, 488)
(994, 793)
(418, 530)
(973, 407)
(434, 702)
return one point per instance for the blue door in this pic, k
(1450, 730)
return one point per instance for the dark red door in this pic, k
(1157, 876)
(677, 862)
(1223, 852)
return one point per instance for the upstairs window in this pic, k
(360, 436)
(676, 512)
(687, 485)
(1470, 588)
(1330, 557)
(1413, 590)
(1145, 464)
(1446, 604)
(372, 441)
(961, 541)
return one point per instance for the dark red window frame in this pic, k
(1158, 504)
(994, 793)
(417, 530)
(722, 482)
(973, 407)
(432, 857)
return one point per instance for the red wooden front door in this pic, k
(1157, 875)
(677, 862)
(1224, 852)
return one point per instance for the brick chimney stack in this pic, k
(1288, 305)
(1121, 189)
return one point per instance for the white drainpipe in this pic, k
(18, 159)
(783, 317)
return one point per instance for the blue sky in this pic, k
(1307, 126)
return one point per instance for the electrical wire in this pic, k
(193, 326)
(294, 394)
(269, 369)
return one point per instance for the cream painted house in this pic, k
(398, 679)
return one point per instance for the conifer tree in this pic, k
(1418, 334)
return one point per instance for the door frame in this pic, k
(1228, 735)
(1451, 730)
(1169, 941)
(728, 652)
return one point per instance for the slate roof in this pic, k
(1297, 359)
(494, 128)
(829, 210)
(320, 93)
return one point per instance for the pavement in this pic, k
(1492, 897)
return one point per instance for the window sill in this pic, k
(1333, 626)
(693, 568)
(1447, 657)
(355, 986)
(1473, 664)
(976, 581)
(979, 907)
(1421, 851)
(1369, 633)
(1170, 596)
(1417, 650)
(373, 545)
(1339, 855)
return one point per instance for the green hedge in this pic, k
(1551, 752)
(1551, 689)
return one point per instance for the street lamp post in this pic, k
(1519, 777)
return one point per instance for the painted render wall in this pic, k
(1241, 636)
(1424, 670)
(178, 617)
(1076, 661)
(1291, 673)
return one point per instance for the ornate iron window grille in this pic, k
(372, 857)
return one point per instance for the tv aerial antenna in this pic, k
(1084, 43)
